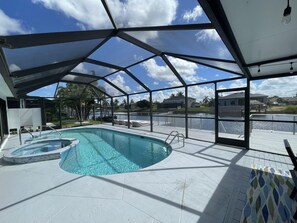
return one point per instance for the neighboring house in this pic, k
(177, 101)
(290, 100)
(275, 100)
(195, 104)
(235, 102)
(237, 99)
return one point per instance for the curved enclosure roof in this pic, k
(121, 47)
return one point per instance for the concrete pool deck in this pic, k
(201, 182)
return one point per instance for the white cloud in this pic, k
(90, 14)
(138, 57)
(139, 88)
(156, 83)
(146, 36)
(158, 72)
(140, 97)
(207, 34)
(193, 15)
(87, 13)
(200, 92)
(186, 69)
(161, 95)
(119, 81)
(222, 87)
(175, 83)
(80, 68)
(223, 52)
(283, 87)
(9, 25)
(237, 84)
(133, 13)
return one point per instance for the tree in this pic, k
(180, 93)
(124, 104)
(79, 98)
(116, 103)
(211, 102)
(172, 95)
(205, 101)
(143, 104)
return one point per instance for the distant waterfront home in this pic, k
(176, 102)
(291, 100)
(258, 102)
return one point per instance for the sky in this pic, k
(41, 16)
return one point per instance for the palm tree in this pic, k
(116, 103)
(180, 93)
(205, 101)
(77, 97)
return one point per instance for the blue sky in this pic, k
(40, 16)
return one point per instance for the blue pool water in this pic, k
(102, 152)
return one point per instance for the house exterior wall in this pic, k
(176, 102)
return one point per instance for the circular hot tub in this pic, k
(39, 150)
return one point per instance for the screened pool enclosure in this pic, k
(208, 69)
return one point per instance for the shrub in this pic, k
(291, 109)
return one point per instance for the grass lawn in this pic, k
(194, 110)
(289, 109)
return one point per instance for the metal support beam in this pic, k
(29, 40)
(43, 114)
(101, 113)
(104, 64)
(60, 113)
(112, 111)
(116, 87)
(169, 28)
(274, 76)
(4, 70)
(247, 115)
(49, 67)
(128, 110)
(94, 88)
(186, 112)
(137, 80)
(215, 12)
(172, 68)
(38, 84)
(294, 57)
(139, 43)
(94, 117)
(151, 112)
(108, 13)
(56, 91)
(192, 59)
(182, 56)
(216, 113)
(85, 75)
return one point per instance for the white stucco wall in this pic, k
(4, 90)
(18, 117)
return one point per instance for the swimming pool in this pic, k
(103, 151)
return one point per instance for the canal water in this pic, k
(206, 121)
